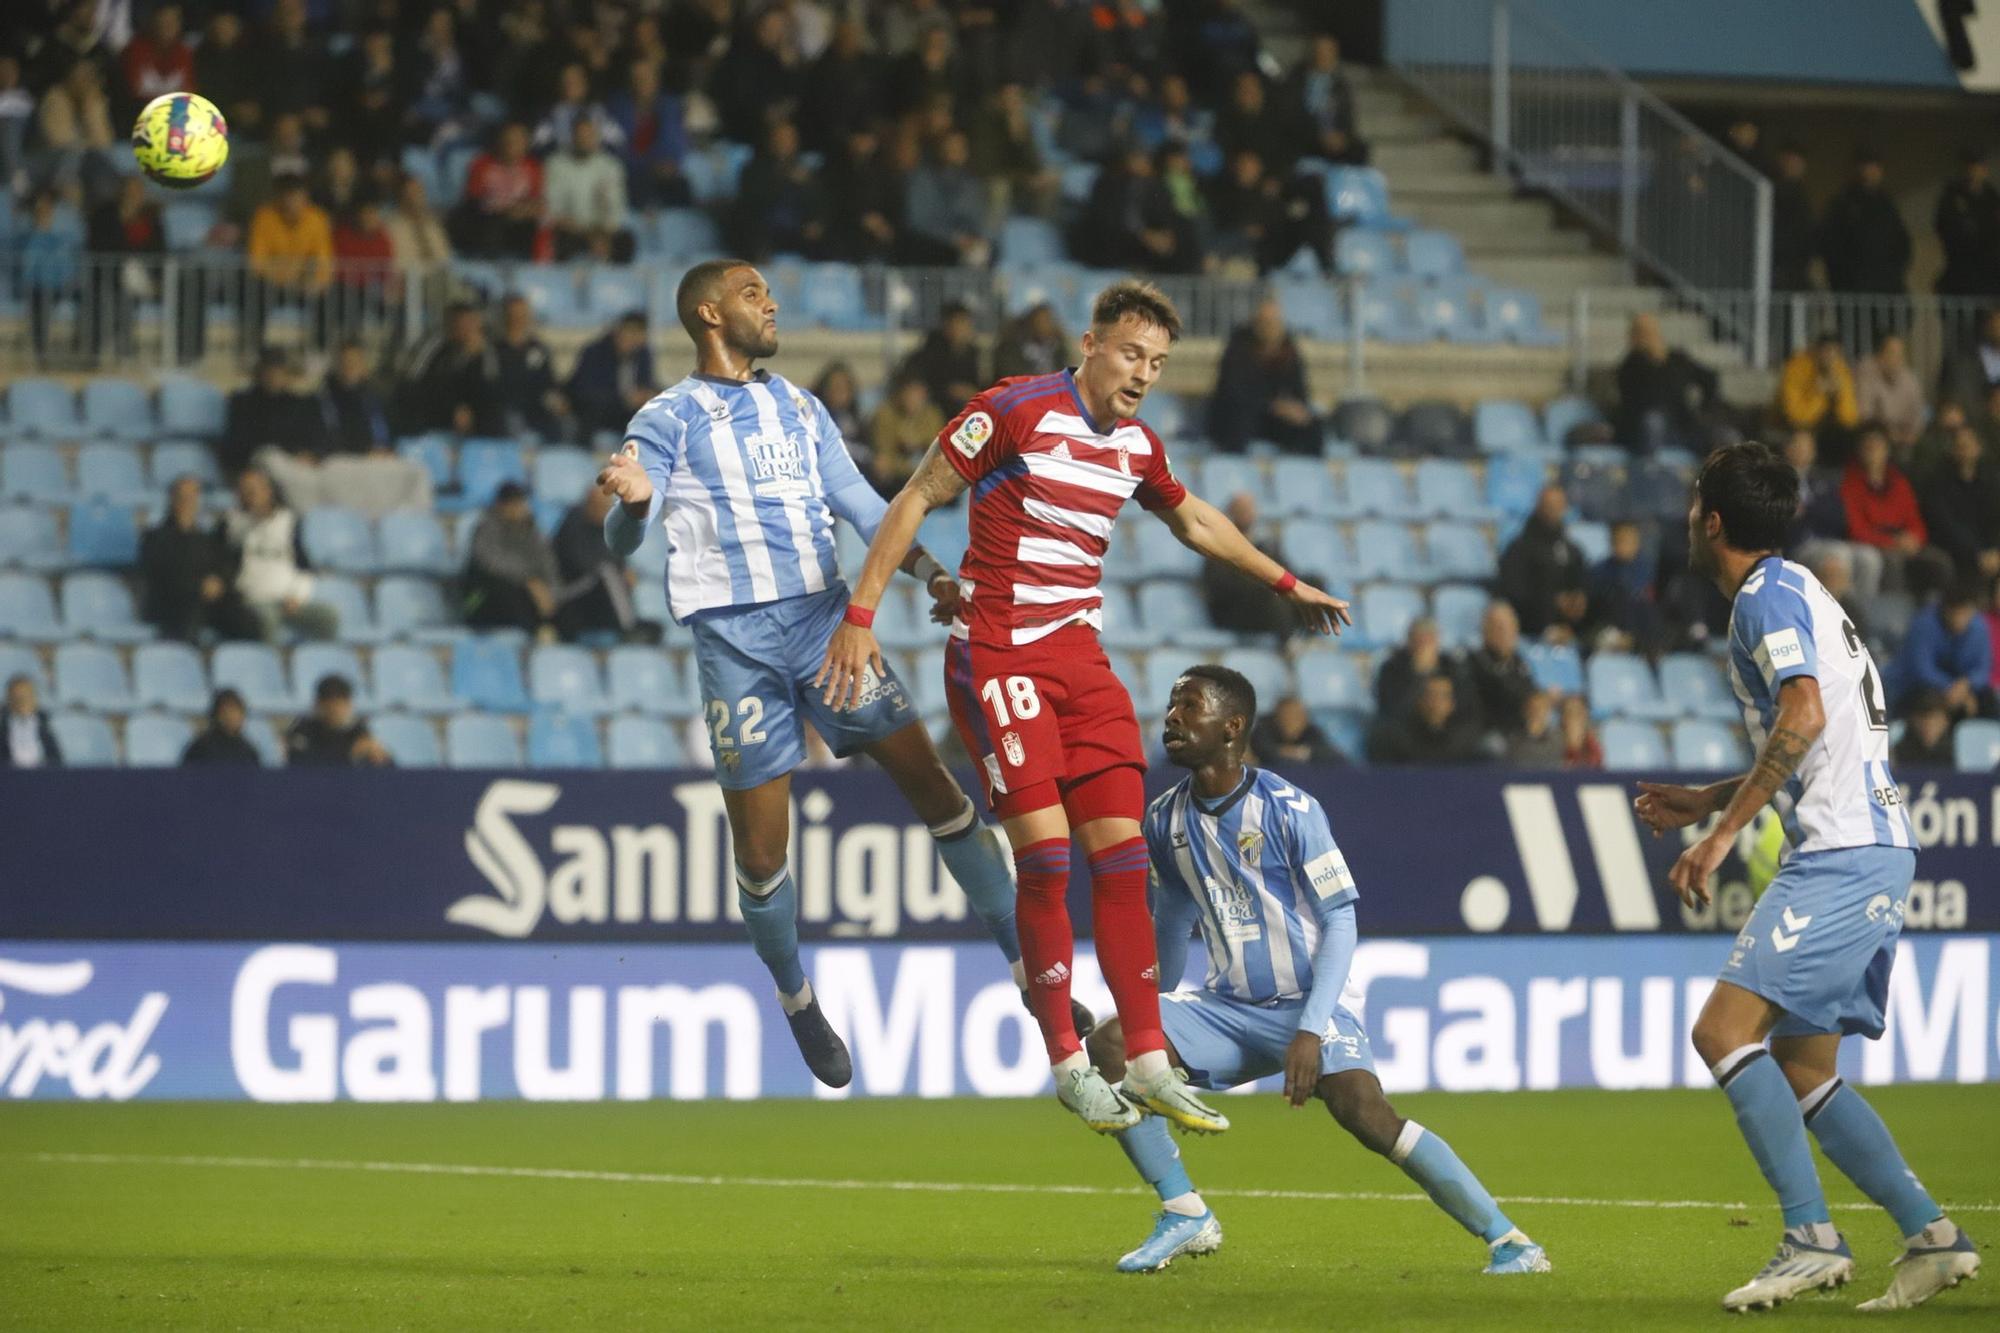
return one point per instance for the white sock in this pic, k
(1185, 1205)
(1150, 1066)
(792, 1004)
(1824, 1235)
(1070, 1063)
(1020, 971)
(1514, 1237)
(1937, 1235)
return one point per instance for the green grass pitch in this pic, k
(796, 1215)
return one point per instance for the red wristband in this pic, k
(859, 615)
(1285, 582)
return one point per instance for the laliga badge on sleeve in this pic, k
(972, 434)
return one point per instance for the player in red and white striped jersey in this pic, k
(1050, 461)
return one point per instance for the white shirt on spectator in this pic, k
(24, 740)
(270, 571)
(586, 192)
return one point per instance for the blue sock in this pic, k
(984, 869)
(1429, 1160)
(1854, 1139)
(1156, 1158)
(1772, 1126)
(771, 915)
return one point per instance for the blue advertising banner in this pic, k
(296, 1022)
(567, 857)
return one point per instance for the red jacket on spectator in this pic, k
(151, 69)
(1878, 517)
(494, 186)
(363, 258)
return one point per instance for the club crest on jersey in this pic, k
(1010, 745)
(1125, 459)
(1250, 843)
(631, 450)
(972, 434)
(718, 412)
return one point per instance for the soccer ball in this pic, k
(180, 140)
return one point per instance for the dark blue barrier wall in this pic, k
(220, 855)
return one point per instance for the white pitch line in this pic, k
(887, 1186)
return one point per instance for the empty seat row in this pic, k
(1697, 744)
(111, 405)
(1411, 311)
(120, 472)
(466, 476)
(1687, 685)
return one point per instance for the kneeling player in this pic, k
(1252, 860)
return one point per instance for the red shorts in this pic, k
(1048, 711)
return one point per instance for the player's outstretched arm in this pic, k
(1200, 526)
(853, 647)
(1801, 718)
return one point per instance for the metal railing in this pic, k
(1562, 121)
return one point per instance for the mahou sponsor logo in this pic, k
(107, 1059)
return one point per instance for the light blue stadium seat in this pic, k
(903, 620)
(29, 537)
(411, 741)
(262, 733)
(1364, 252)
(1156, 683)
(483, 465)
(642, 742)
(1078, 180)
(1516, 315)
(90, 677)
(1563, 415)
(174, 459)
(480, 740)
(1223, 477)
(1432, 254)
(712, 172)
(192, 407)
(923, 676)
(350, 605)
(1313, 309)
(1696, 687)
(1170, 607)
(563, 740)
(18, 659)
(103, 534)
(486, 673)
(1975, 745)
(649, 598)
(254, 671)
(112, 472)
(563, 474)
(1358, 195)
(1514, 481)
(1501, 424)
(685, 234)
(408, 606)
(27, 609)
(1331, 678)
(1459, 608)
(1459, 550)
(611, 290)
(156, 740)
(1302, 486)
(1449, 488)
(1317, 549)
(170, 676)
(340, 539)
(101, 606)
(1168, 414)
(1162, 556)
(1593, 539)
(1445, 312)
(1388, 311)
(650, 680)
(42, 407)
(410, 677)
(565, 677)
(314, 662)
(437, 455)
(552, 292)
(421, 161)
(86, 741)
(1384, 612)
(1026, 242)
(1376, 486)
(1633, 746)
(34, 472)
(833, 297)
(1709, 747)
(1268, 673)
(1556, 667)
(412, 541)
(1385, 549)
(186, 223)
(117, 407)
(1623, 684)
(1124, 627)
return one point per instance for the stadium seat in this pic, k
(411, 741)
(1172, 609)
(1162, 556)
(1433, 429)
(712, 172)
(185, 224)
(486, 673)
(1157, 681)
(1633, 746)
(1695, 686)
(1432, 254)
(483, 465)
(614, 290)
(349, 602)
(1029, 242)
(174, 459)
(1385, 549)
(34, 472)
(86, 741)
(1556, 667)
(833, 297)
(1516, 316)
(18, 659)
(1459, 550)
(1500, 424)
(90, 677)
(1657, 490)
(1319, 552)
(101, 606)
(340, 539)
(1302, 486)
(563, 474)
(29, 538)
(1565, 414)
(1708, 747)
(1268, 673)
(1514, 482)
(1331, 678)
(1448, 488)
(480, 740)
(1365, 423)
(1124, 627)
(1376, 486)
(1459, 608)
(1623, 684)
(264, 739)
(42, 407)
(170, 676)
(903, 619)
(156, 740)
(435, 452)
(1384, 612)
(1975, 745)
(924, 680)
(314, 662)
(566, 677)
(1364, 252)
(411, 541)
(103, 534)
(1313, 309)
(1358, 195)
(1597, 490)
(254, 671)
(117, 407)
(1593, 539)
(410, 678)
(112, 472)
(192, 407)
(408, 607)
(642, 742)
(1388, 311)
(27, 609)
(552, 292)
(1445, 312)
(685, 234)
(1223, 477)
(563, 740)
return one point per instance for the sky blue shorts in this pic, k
(1223, 1042)
(757, 666)
(1823, 938)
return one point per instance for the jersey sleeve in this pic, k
(1159, 488)
(1775, 626)
(656, 439)
(979, 439)
(1319, 871)
(846, 491)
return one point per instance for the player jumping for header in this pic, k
(1813, 962)
(746, 472)
(1251, 861)
(1050, 460)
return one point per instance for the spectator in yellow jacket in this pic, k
(1816, 393)
(291, 256)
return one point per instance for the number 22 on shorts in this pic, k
(750, 732)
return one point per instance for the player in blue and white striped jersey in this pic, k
(746, 472)
(1250, 861)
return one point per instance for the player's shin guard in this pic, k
(771, 916)
(1772, 1126)
(1429, 1160)
(974, 855)
(1156, 1158)
(1854, 1139)
(1125, 949)
(1048, 948)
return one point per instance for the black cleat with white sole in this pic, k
(825, 1053)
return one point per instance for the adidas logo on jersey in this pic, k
(1055, 976)
(1061, 450)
